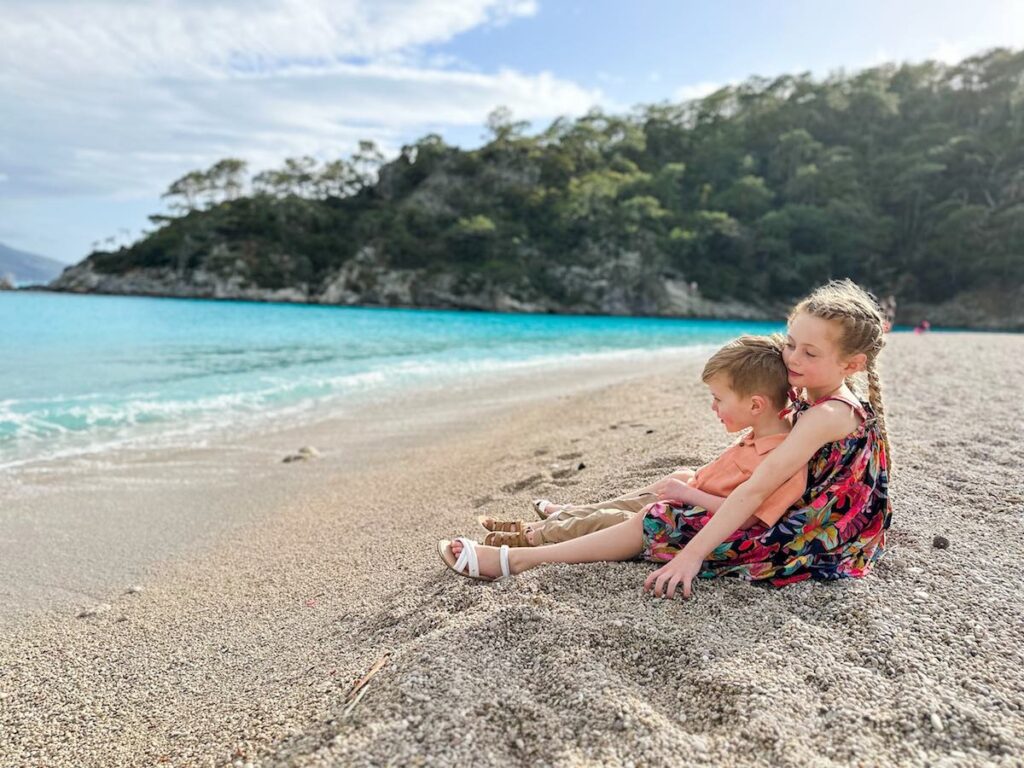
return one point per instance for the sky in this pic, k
(106, 102)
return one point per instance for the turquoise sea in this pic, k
(86, 374)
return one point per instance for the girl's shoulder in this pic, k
(838, 415)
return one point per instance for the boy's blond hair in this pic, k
(754, 366)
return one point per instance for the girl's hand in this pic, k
(682, 569)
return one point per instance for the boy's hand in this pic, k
(682, 569)
(671, 489)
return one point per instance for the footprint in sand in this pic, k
(519, 485)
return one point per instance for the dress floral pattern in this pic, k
(837, 530)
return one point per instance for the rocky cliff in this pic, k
(620, 286)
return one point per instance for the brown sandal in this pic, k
(510, 538)
(505, 526)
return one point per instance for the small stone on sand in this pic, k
(93, 610)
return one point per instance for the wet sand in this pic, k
(247, 635)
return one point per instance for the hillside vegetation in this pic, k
(910, 179)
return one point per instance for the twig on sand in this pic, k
(359, 688)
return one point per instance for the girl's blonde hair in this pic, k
(862, 330)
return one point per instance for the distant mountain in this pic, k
(28, 267)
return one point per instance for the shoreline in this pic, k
(246, 651)
(304, 413)
(76, 528)
(751, 312)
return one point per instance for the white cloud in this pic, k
(116, 99)
(181, 37)
(514, 8)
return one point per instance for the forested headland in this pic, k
(908, 178)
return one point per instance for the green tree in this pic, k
(501, 126)
(188, 188)
(227, 177)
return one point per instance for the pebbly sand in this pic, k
(242, 646)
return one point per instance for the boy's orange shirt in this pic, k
(735, 465)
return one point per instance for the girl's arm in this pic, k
(816, 427)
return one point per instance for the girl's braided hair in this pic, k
(862, 325)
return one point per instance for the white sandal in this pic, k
(468, 564)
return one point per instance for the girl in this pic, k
(836, 531)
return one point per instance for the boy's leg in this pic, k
(630, 502)
(554, 531)
(646, 494)
(579, 521)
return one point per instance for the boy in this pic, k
(749, 386)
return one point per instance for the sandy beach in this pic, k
(235, 600)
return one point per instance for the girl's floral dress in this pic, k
(836, 531)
